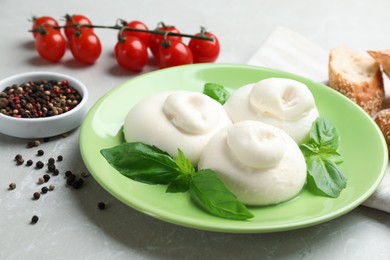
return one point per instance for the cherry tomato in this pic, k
(51, 45)
(144, 37)
(43, 20)
(203, 50)
(156, 39)
(75, 19)
(85, 47)
(174, 55)
(131, 54)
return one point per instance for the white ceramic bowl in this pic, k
(44, 126)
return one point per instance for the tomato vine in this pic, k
(134, 39)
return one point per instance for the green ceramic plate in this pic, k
(362, 146)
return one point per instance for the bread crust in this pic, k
(383, 58)
(368, 93)
(382, 119)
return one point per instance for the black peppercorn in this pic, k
(71, 179)
(56, 172)
(51, 167)
(60, 158)
(46, 177)
(68, 173)
(101, 205)
(29, 163)
(19, 161)
(40, 152)
(39, 164)
(44, 189)
(34, 219)
(36, 195)
(18, 156)
(78, 184)
(51, 161)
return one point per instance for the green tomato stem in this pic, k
(119, 27)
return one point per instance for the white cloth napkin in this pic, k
(289, 51)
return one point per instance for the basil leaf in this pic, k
(323, 133)
(325, 176)
(309, 149)
(184, 163)
(331, 154)
(217, 92)
(180, 184)
(211, 194)
(142, 163)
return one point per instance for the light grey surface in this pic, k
(72, 227)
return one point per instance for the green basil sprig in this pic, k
(321, 156)
(148, 164)
(217, 92)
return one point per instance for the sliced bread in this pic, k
(383, 58)
(382, 118)
(358, 77)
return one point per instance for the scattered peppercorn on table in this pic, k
(52, 207)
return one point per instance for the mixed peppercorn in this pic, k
(72, 180)
(36, 99)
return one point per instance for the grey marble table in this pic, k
(70, 224)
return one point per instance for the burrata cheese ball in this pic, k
(259, 163)
(182, 120)
(284, 103)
